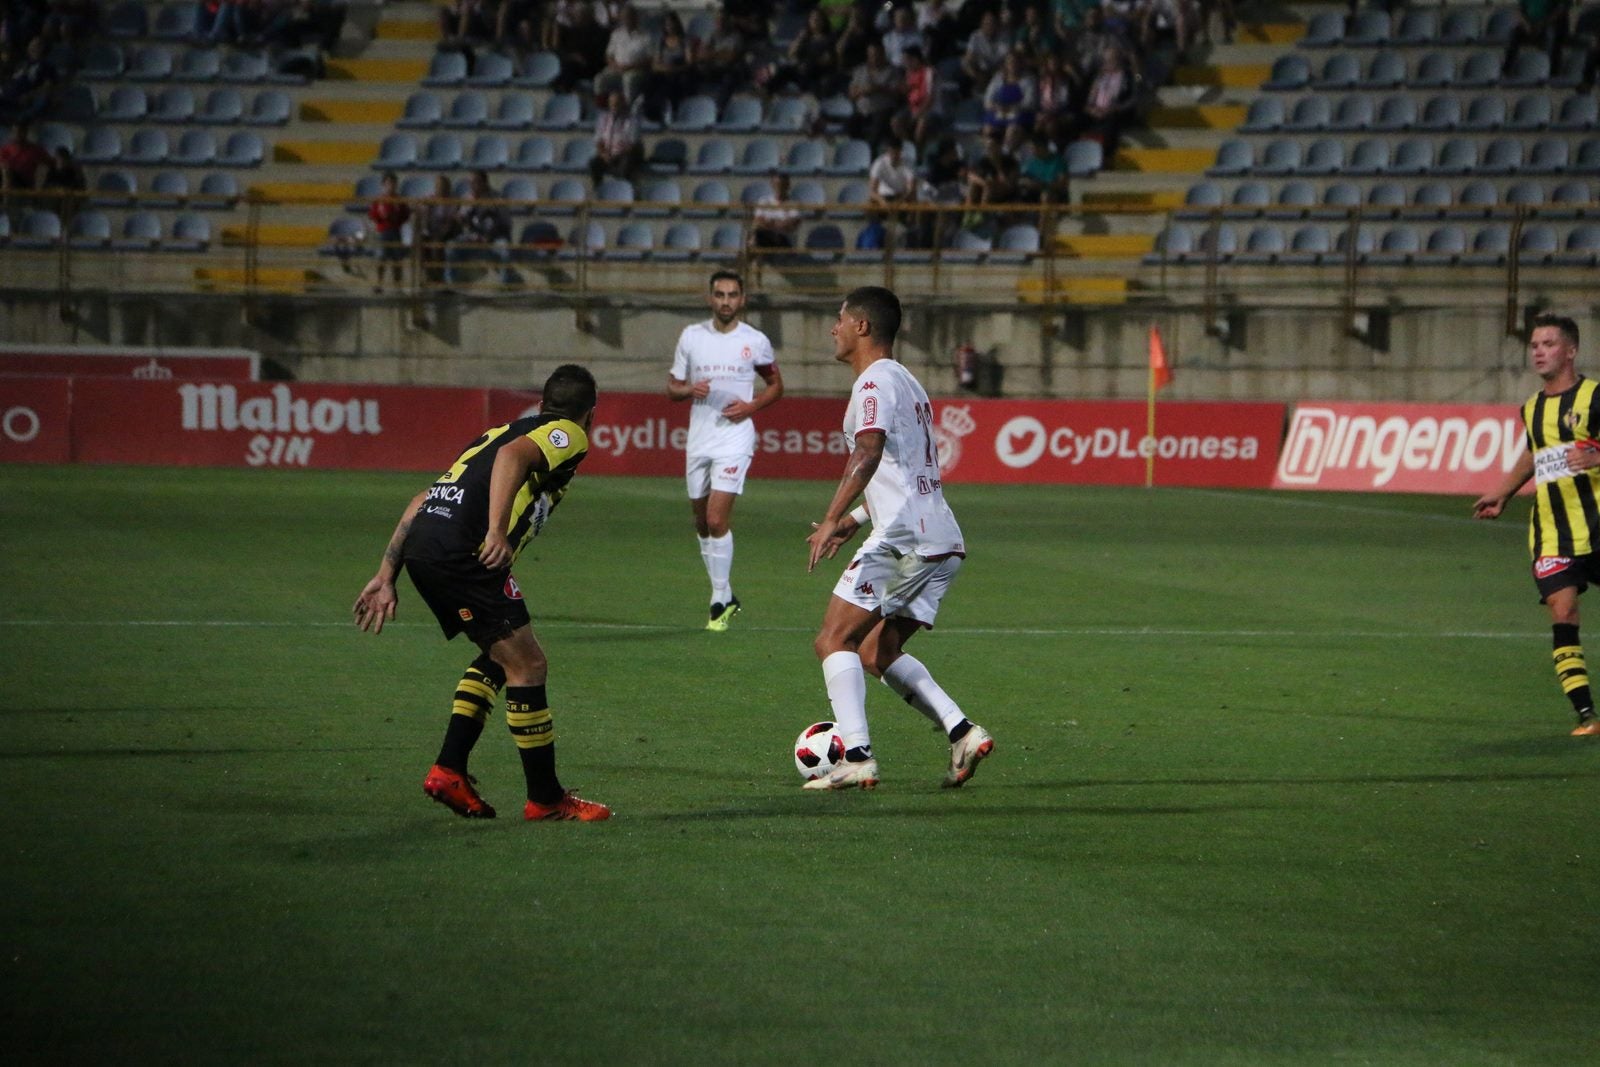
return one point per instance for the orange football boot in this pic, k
(455, 791)
(570, 806)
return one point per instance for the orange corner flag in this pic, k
(1160, 372)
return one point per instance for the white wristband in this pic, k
(859, 513)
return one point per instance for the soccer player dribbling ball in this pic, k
(715, 367)
(897, 579)
(1562, 422)
(458, 539)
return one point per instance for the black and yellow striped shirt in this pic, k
(455, 512)
(1566, 518)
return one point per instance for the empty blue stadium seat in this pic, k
(635, 241)
(1354, 113)
(1310, 114)
(515, 112)
(1233, 157)
(245, 68)
(1482, 195)
(127, 103)
(1462, 25)
(1550, 155)
(1444, 244)
(1368, 27)
(128, 20)
(1370, 156)
(1578, 113)
(89, 230)
(1538, 243)
(1386, 199)
(1289, 73)
(1324, 30)
(423, 110)
(244, 148)
(173, 105)
(1588, 157)
(1266, 115)
(1264, 244)
(535, 153)
(141, 231)
(788, 114)
(575, 156)
(1524, 194)
(1503, 155)
(490, 152)
(101, 145)
(151, 63)
(446, 70)
(695, 114)
(1339, 71)
(563, 111)
(1530, 113)
(443, 151)
(491, 70)
(1418, 26)
(1411, 156)
(521, 193)
(1575, 195)
(169, 188)
(668, 155)
(1435, 70)
(114, 188)
(615, 195)
(710, 198)
(1249, 199)
(1324, 157)
(564, 196)
(659, 196)
(1490, 246)
(1396, 247)
(147, 148)
(271, 107)
(1084, 158)
(714, 157)
(541, 70)
(1396, 113)
(1440, 114)
(190, 233)
(1338, 200)
(196, 148)
(199, 65)
(175, 22)
(102, 61)
(1582, 247)
(1279, 158)
(224, 106)
(805, 157)
(1481, 69)
(741, 115)
(1386, 71)
(850, 158)
(218, 189)
(1429, 200)
(1295, 200)
(1201, 200)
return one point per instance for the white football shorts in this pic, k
(907, 586)
(723, 473)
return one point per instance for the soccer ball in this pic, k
(818, 748)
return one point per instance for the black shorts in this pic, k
(468, 598)
(1551, 573)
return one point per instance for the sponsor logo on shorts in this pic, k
(559, 438)
(1545, 566)
(730, 470)
(865, 588)
(466, 615)
(513, 592)
(869, 410)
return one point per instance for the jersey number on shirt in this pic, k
(477, 446)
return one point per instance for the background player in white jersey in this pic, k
(715, 366)
(898, 577)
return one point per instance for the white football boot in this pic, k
(847, 775)
(975, 745)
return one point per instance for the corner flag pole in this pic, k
(1160, 374)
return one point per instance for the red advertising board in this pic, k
(262, 424)
(35, 420)
(146, 364)
(1042, 441)
(1402, 448)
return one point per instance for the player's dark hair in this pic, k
(725, 276)
(1568, 328)
(880, 307)
(568, 392)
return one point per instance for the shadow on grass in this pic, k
(813, 809)
(1352, 779)
(177, 753)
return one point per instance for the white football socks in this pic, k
(911, 680)
(847, 692)
(718, 555)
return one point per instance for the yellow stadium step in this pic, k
(1105, 245)
(407, 30)
(302, 192)
(1203, 117)
(1231, 76)
(352, 111)
(1165, 200)
(1165, 160)
(377, 70)
(341, 152)
(272, 279)
(1269, 33)
(276, 235)
(1087, 289)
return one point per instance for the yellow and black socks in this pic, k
(474, 699)
(528, 716)
(1570, 670)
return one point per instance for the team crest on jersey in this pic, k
(1545, 566)
(513, 592)
(745, 354)
(559, 438)
(869, 409)
(466, 614)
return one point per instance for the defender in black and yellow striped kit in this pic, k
(458, 539)
(1563, 458)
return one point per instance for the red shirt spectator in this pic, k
(21, 159)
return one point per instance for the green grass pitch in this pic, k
(1280, 779)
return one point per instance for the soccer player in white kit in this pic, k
(715, 366)
(898, 577)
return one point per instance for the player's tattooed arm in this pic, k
(376, 603)
(858, 471)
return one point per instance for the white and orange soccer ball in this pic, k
(818, 749)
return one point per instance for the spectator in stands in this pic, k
(232, 22)
(559, 16)
(464, 21)
(70, 21)
(617, 150)
(389, 214)
(890, 180)
(775, 220)
(516, 25)
(22, 166)
(850, 46)
(485, 232)
(1542, 22)
(876, 92)
(919, 118)
(990, 180)
(671, 75)
(945, 172)
(628, 56)
(441, 224)
(1210, 8)
(812, 64)
(64, 176)
(1009, 103)
(1121, 18)
(1110, 101)
(608, 13)
(937, 22)
(902, 34)
(582, 48)
(1060, 91)
(720, 63)
(1038, 31)
(1091, 43)
(1042, 178)
(28, 91)
(985, 52)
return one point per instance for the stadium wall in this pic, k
(1262, 354)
